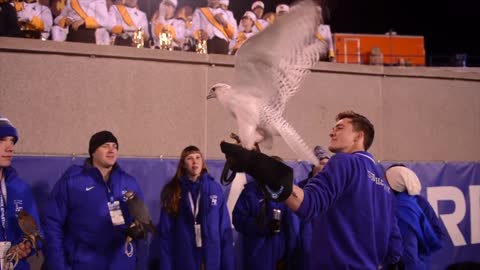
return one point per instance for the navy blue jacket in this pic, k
(19, 196)
(356, 226)
(178, 250)
(263, 249)
(78, 225)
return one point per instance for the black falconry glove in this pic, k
(275, 178)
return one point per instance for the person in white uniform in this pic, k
(247, 22)
(164, 21)
(211, 24)
(259, 24)
(324, 34)
(232, 21)
(35, 20)
(127, 19)
(84, 21)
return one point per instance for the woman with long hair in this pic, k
(195, 230)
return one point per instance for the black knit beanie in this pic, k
(99, 138)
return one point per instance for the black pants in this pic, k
(82, 35)
(119, 41)
(32, 34)
(217, 45)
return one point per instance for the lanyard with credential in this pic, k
(194, 207)
(111, 198)
(3, 208)
(196, 226)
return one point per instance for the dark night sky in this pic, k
(448, 26)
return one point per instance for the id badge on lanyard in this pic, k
(3, 208)
(115, 211)
(4, 245)
(197, 227)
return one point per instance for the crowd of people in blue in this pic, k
(348, 214)
(209, 29)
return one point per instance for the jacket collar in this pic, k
(95, 172)
(9, 173)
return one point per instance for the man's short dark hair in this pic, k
(360, 123)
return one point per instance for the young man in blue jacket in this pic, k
(304, 253)
(356, 227)
(269, 230)
(87, 217)
(420, 228)
(15, 195)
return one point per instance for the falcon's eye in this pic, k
(213, 89)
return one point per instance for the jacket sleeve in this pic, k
(165, 236)
(410, 246)
(226, 238)
(395, 245)
(141, 244)
(55, 217)
(244, 218)
(32, 210)
(326, 187)
(431, 216)
(101, 15)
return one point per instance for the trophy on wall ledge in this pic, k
(166, 39)
(138, 38)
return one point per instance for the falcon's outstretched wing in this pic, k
(272, 64)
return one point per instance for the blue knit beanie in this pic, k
(7, 129)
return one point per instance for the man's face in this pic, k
(214, 3)
(258, 10)
(7, 148)
(343, 139)
(105, 156)
(193, 165)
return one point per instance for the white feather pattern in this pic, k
(269, 69)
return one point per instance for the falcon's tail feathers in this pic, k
(294, 141)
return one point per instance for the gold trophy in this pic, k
(201, 45)
(137, 40)
(166, 39)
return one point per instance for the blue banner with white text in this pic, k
(453, 190)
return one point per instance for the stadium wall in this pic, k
(58, 94)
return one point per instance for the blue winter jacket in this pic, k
(177, 247)
(420, 230)
(263, 249)
(19, 196)
(304, 252)
(356, 226)
(78, 225)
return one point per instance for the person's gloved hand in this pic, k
(275, 178)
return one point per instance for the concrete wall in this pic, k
(58, 94)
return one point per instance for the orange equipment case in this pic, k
(356, 49)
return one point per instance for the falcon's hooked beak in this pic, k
(212, 93)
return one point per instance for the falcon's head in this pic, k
(218, 90)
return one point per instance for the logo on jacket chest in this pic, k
(213, 200)
(18, 205)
